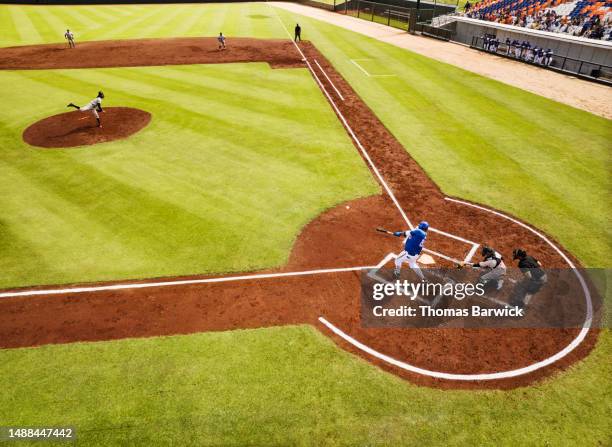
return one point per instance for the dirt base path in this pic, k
(585, 95)
(147, 52)
(324, 243)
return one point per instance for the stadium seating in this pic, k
(587, 18)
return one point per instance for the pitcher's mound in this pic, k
(79, 128)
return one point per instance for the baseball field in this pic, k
(187, 274)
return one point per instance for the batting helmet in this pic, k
(424, 225)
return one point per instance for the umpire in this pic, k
(534, 277)
(298, 33)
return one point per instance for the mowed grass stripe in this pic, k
(75, 18)
(9, 30)
(100, 14)
(191, 24)
(170, 28)
(39, 18)
(219, 109)
(227, 82)
(229, 109)
(26, 30)
(130, 25)
(213, 24)
(52, 206)
(155, 24)
(56, 22)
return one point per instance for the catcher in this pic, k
(493, 267)
(95, 106)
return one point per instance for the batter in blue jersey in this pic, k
(413, 245)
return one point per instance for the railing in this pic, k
(438, 33)
(390, 15)
(443, 20)
(394, 13)
(589, 70)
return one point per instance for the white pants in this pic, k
(411, 261)
(91, 108)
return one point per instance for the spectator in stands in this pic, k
(590, 18)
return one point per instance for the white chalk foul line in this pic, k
(367, 73)
(497, 375)
(146, 285)
(354, 61)
(329, 80)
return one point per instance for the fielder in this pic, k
(493, 266)
(413, 245)
(95, 105)
(221, 40)
(70, 38)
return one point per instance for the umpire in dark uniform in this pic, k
(534, 277)
(298, 33)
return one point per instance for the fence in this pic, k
(590, 70)
(389, 15)
(394, 13)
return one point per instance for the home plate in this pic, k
(426, 259)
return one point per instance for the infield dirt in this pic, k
(340, 237)
(80, 128)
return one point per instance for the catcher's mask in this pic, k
(487, 251)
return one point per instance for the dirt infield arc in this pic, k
(73, 129)
(261, 302)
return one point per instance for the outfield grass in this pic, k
(286, 386)
(477, 138)
(223, 179)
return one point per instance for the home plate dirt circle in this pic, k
(77, 128)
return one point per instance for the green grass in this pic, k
(223, 179)
(286, 386)
(477, 138)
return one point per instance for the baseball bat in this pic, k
(382, 230)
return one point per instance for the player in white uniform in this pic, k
(70, 38)
(95, 106)
(493, 267)
(221, 40)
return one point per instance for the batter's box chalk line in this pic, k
(366, 72)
